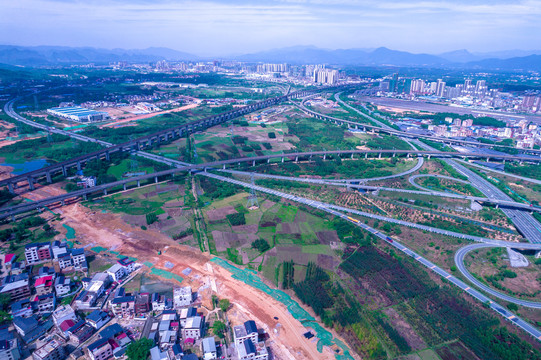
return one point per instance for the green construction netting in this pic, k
(250, 277)
(98, 249)
(70, 232)
(148, 264)
(166, 274)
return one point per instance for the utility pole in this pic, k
(252, 202)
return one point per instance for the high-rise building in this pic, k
(325, 76)
(272, 68)
(480, 85)
(417, 86)
(440, 88)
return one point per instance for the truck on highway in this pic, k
(389, 239)
(354, 220)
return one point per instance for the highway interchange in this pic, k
(517, 216)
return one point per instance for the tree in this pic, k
(140, 349)
(512, 307)
(261, 244)
(214, 300)
(5, 300)
(224, 304)
(219, 329)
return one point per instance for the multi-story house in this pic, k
(100, 350)
(182, 296)
(123, 306)
(248, 331)
(193, 328)
(37, 252)
(116, 272)
(80, 332)
(52, 350)
(16, 286)
(44, 304)
(97, 319)
(44, 285)
(62, 285)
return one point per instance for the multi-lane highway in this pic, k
(499, 309)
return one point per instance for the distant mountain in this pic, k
(460, 56)
(311, 55)
(61, 55)
(525, 63)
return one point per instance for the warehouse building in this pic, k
(79, 114)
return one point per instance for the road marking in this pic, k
(433, 266)
(511, 317)
(417, 258)
(448, 276)
(466, 289)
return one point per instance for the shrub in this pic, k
(236, 219)
(272, 135)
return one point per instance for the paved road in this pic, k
(500, 310)
(459, 260)
(352, 184)
(525, 223)
(535, 181)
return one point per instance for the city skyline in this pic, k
(220, 28)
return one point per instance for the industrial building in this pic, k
(79, 114)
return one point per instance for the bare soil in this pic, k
(108, 230)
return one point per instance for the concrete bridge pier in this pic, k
(107, 156)
(366, 155)
(104, 191)
(394, 154)
(85, 197)
(10, 187)
(30, 183)
(429, 156)
(63, 202)
(48, 176)
(138, 183)
(379, 156)
(155, 179)
(296, 158)
(64, 171)
(282, 159)
(78, 165)
(268, 160)
(223, 166)
(324, 156)
(124, 186)
(253, 162)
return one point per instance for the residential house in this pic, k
(80, 332)
(18, 267)
(45, 271)
(123, 306)
(85, 300)
(44, 285)
(117, 337)
(9, 345)
(168, 333)
(127, 264)
(156, 354)
(97, 319)
(177, 353)
(16, 286)
(98, 283)
(116, 272)
(193, 328)
(208, 346)
(248, 331)
(142, 303)
(78, 258)
(250, 351)
(44, 304)
(187, 313)
(182, 296)
(65, 326)
(63, 313)
(25, 325)
(85, 282)
(22, 308)
(62, 285)
(64, 261)
(37, 252)
(160, 302)
(52, 350)
(59, 248)
(100, 350)
(9, 260)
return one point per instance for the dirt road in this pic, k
(109, 231)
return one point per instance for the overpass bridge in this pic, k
(253, 161)
(134, 145)
(391, 131)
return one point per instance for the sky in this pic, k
(214, 27)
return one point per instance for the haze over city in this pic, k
(219, 28)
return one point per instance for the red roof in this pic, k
(9, 257)
(66, 324)
(113, 343)
(121, 336)
(46, 280)
(189, 340)
(174, 323)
